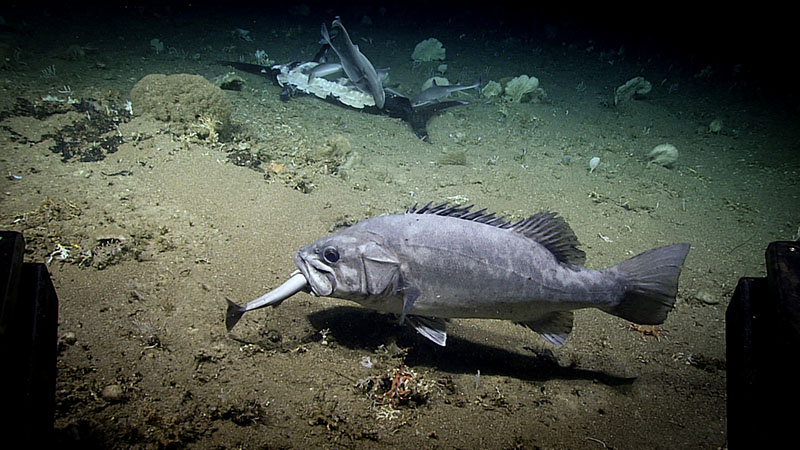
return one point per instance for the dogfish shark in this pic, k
(438, 262)
(357, 67)
(324, 69)
(435, 93)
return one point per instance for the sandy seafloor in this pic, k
(144, 358)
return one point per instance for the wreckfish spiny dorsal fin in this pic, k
(546, 228)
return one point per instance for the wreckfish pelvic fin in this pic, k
(553, 327)
(433, 328)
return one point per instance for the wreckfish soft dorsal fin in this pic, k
(554, 233)
(546, 228)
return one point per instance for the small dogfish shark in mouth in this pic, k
(439, 262)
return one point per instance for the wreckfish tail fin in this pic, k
(652, 279)
(234, 313)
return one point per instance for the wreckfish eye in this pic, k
(331, 255)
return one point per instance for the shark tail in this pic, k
(652, 279)
(479, 84)
(234, 313)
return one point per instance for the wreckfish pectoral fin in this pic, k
(432, 328)
(553, 327)
(410, 295)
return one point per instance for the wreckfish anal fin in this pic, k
(553, 327)
(432, 328)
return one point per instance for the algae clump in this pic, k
(429, 50)
(523, 89)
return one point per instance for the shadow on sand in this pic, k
(359, 329)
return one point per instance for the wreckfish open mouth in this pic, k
(319, 276)
(314, 276)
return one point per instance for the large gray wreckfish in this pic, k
(439, 262)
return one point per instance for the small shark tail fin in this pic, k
(326, 38)
(234, 313)
(652, 279)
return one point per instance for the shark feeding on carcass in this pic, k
(362, 87)
(434, 263)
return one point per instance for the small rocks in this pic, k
(113, 393)
(706, 297)
(69, 338)
(715, 127)
(665, 155)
